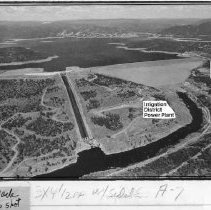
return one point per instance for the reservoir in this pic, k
(152, 73)
(94, 160)
(148, 68)
(84, 53)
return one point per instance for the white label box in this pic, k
(157, 110)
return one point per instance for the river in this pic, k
(94, 160)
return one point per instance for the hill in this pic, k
(32, 29)
(190, 30)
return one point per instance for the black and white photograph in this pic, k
(105, 91)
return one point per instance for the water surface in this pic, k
(152, 73)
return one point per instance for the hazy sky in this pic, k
(49, 13)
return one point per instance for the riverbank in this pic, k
(94, 160)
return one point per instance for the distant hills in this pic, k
(29, 29)
(190, 30)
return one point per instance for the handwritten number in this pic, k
(180, 192)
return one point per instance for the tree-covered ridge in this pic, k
(19, 54)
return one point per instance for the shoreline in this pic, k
(121, 45)
(151, 73)
(29, 62)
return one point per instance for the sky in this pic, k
(74, 12)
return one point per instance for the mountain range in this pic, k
(35, 29)
(190, 30)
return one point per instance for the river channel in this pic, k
(94, 160)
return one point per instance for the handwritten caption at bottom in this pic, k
(106, 192)
(15, 198)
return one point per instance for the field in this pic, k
(113, 110)
(152, 73)
(37, 126)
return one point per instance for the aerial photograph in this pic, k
(102, 91)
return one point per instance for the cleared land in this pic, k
(113, 110)
(152, 73)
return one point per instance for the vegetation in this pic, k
(108, 81)
(90, 76)
(88, 94)
(19, 54)
(159, 96)
(171, 45)
(205, 100)
(191, 166)
(161, 165)
(33, 146)
(56, 101)
(110, 121)
(49, 127)
(7, 141)
(82, 82)
(206, 64)
(54, 96)
(22, 95)
(16, 122)
(134, 112)
(93, 104)
(203, 79)
(7, 111)
(23, 88)
(126, 94)
(201, 165)
(25, 113)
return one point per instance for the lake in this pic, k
(152, 73)
(84, 53)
